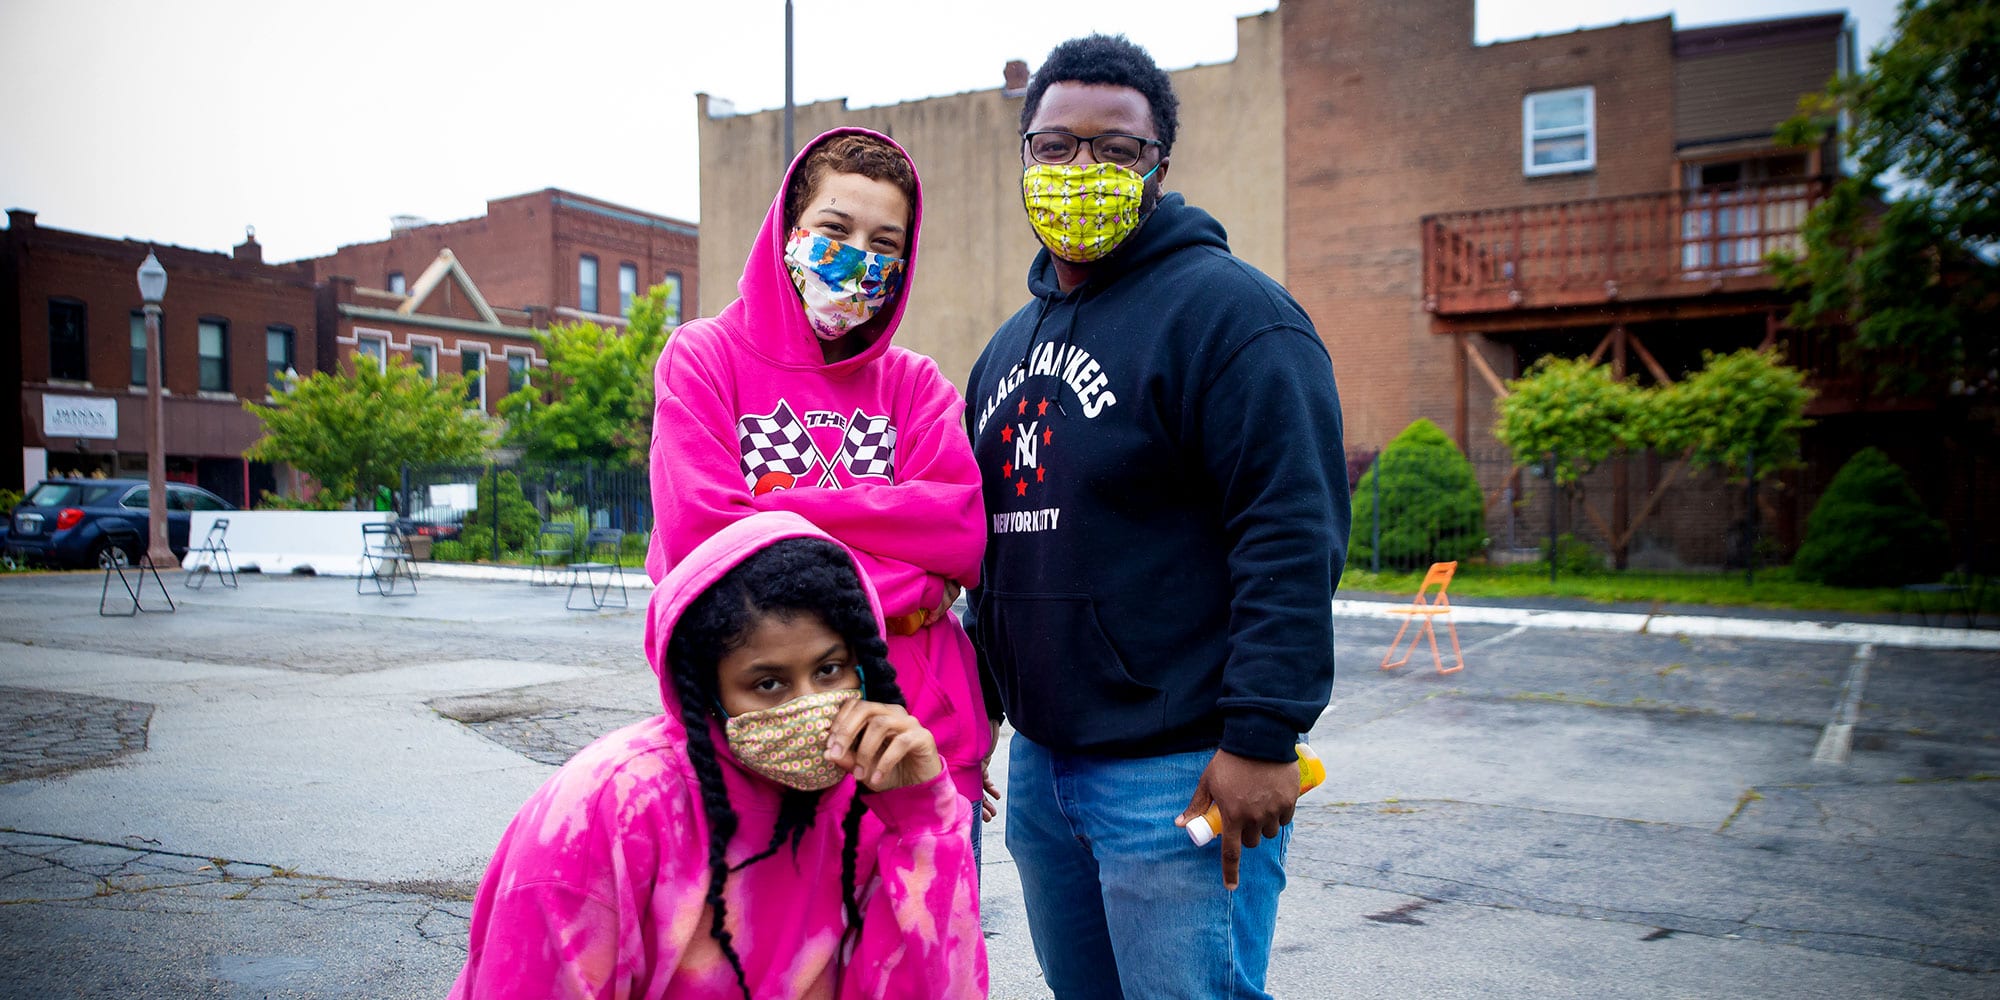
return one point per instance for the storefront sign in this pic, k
(79, 417)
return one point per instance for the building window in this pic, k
(426, 356)
(628, 286)
(1559, 131)
(279, 342)
(373, 348)
(586, 283)
(213, 344)
(68, 358)
(396, 282)
(472, 364)
(138, 348)
(517, 372)
(673, 283)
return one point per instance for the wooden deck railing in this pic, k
(1666, 245)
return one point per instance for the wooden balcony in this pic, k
(1651, 248)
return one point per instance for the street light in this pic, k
(153, 288)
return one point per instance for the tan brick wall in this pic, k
(1393, 113)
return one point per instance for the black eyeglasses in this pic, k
(1109, 147)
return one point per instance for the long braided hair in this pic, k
(790, 577)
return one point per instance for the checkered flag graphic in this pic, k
(774, 442)
(869, 449)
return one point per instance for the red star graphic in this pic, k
(1038, 473)
(1006, 470)
(1023, 408)
(1006, 433)
(1020, 487)
(1047, 433)
(1042, 408)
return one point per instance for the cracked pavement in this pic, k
(290, 790)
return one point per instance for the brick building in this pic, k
(571, 256)
(1447, 212)
(72, 340)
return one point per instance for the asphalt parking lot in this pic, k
(289, 790)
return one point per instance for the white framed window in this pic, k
(472, 364)
(375, 349)
(212, 343)
(586, 283)
(1559, 131)
(628, 286)
(426, 357)
(396, 283)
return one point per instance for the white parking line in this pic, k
(1702, 626)
(1838, 737)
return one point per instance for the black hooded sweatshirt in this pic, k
(1167, 504)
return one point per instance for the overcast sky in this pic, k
(182, 122)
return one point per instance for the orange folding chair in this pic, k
(1428, 608)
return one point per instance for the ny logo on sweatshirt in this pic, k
(781, 452)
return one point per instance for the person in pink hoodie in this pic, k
(784, 829)
(795, 399)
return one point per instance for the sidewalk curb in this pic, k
(1701, 626)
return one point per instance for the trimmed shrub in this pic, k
(1870, 529)
(520, 522)
(1432, 510)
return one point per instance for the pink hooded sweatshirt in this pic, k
(598, 888)
(871, 449)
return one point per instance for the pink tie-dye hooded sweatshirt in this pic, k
(749, 416)
(598, 888)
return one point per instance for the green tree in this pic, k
(1742, 411)
(1432, 509)
(1913, 273)
(1574, 408)
(598, 405)
(1870, 529)
(352, 433)
(519, 520)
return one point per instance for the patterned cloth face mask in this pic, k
(1082, 212)
(842, 286)
(787, 743)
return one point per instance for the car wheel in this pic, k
(110, 556)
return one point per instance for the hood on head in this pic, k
(767, 312)
(709, 562)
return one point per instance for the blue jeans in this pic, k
(1120, 903)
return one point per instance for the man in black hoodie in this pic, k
(1159, 436)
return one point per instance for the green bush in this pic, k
(474, 544)
(1432, 510)
(1870, 529)
(450, 550)
(519, 521)
(1574, 556)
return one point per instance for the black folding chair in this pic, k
(385, 559)
(127, 549)
(212, 555)
(555, 547)
(603, 554)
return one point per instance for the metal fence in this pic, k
(1411, 510)
(444, 498)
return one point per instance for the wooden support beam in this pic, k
(1603, 345)
(1486, 372)
(1460, 417)
(1659, 372)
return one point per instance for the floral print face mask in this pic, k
(787, 743)
(842, 286)
(1082, 212)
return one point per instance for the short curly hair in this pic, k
(852, 153)
(1113, 60)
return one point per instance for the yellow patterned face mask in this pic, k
(787, 743)
(1082, 212)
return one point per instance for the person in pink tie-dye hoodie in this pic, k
(785, 829)
(795, 398)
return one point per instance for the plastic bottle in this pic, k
(1312, 771)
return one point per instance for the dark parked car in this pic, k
(61, 521)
